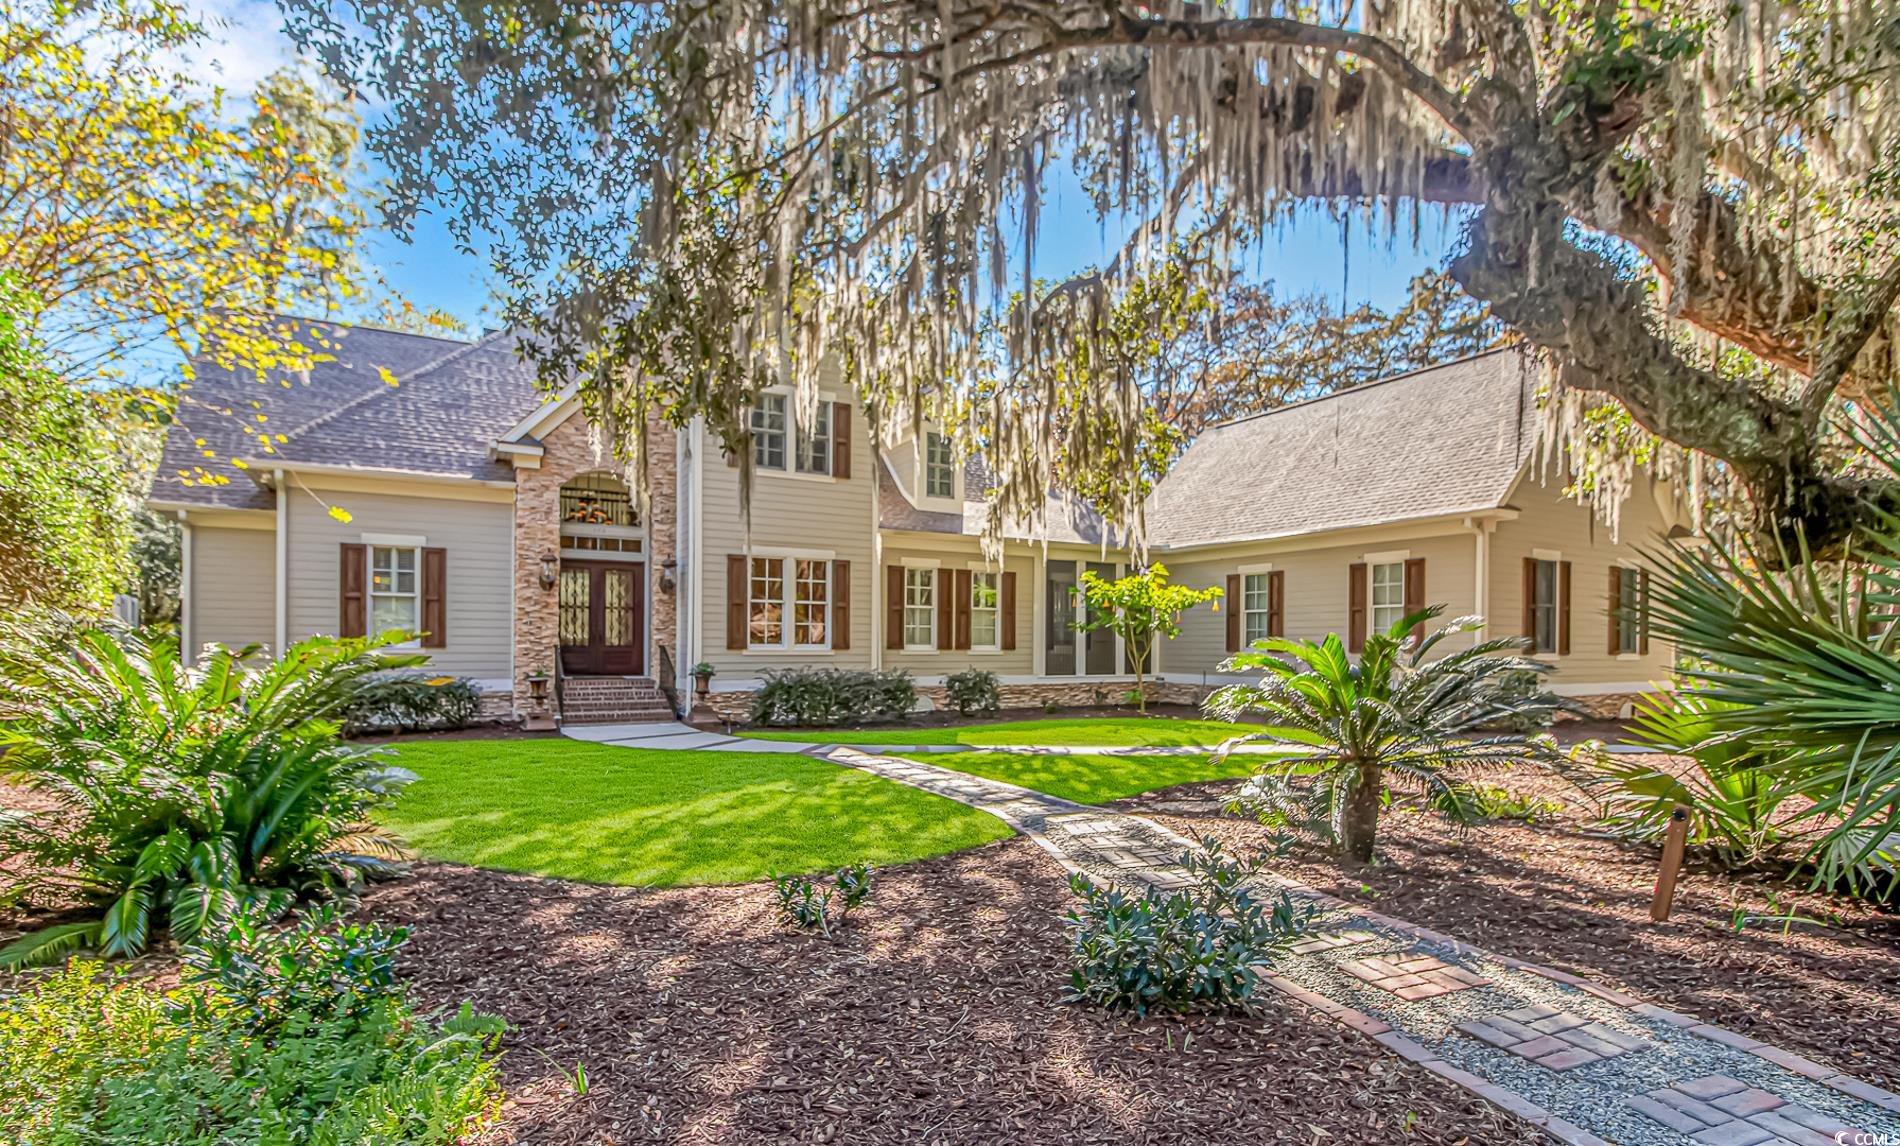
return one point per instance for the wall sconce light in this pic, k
(666, 574)
(550, 569)
(1214, 605)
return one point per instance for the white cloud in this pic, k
(245, 43)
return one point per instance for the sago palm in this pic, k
(1395, 716)
(183, 791)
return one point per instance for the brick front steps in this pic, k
(613, 700)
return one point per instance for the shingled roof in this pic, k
(1444, 440)
(1063, 519)
(452, 398)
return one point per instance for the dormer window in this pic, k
(940, 466)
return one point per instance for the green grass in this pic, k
(634, 816)
(1055, 732)
(1092, 779)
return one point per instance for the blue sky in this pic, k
(1308, 254)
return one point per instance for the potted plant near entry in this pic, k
(540, 719)
(702, 679)
(701, 714)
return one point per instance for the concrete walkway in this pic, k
(1587, 1064)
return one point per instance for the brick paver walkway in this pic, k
(1587, 1064)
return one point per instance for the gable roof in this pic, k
(1063, 519)
(451, 400)
(1444, 440)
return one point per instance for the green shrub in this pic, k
(803, 904)
(1529, 706)
(1198, 948)
(97, 1057)
(973, 692)
(816, 697)
(185, 792)
(1494, 803)
(411, 702)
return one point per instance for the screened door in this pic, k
(601, 618)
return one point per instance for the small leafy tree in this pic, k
(1355, 728)
(1139, 608)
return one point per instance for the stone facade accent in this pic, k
(572, 449)
(1606, 705)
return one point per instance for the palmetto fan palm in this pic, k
(184, 791)
(1352, 728)
(1805, 666)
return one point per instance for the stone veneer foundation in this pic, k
(572, 449)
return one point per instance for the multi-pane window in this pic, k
(811, 603)
(1388, 595)
(765, 603)
(814, 448)
(775, 437)
(1543, 606)
(920, 608)
(768, 432)
(781, 588)
(1631, 586)
(395, 600)
(1256, 606)
(940, 466)
(986, 610)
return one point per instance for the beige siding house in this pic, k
(463, 504)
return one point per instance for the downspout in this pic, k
(686, 568)
(188, 652)
(283, 561)
(1481, 528)
(878, 621)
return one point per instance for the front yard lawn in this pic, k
(633, 816)
(1073, 732)
(1091, 779)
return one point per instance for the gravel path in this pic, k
(1585, 1063)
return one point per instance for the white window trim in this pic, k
(923, 471)
(788, 600)
(790, 470)
(979, 570)
(934, 567)
(1374, 561)
(395, 540)
(1632, 566)
(1556, 558)
(369, 582)
(1246, 571)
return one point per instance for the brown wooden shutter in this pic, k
(1642, 616)
(353, 605)
(1276, 603)
(946, 611)
(841, 440)
(894, 607)
(738, 587)
(1233, 612)
(841, 605)
(1563, 608)
(1009, 611)
(964, 586)
(1415, 587)
(1616, 609)
(1356, 606)
(1530, 602)
(435, 598)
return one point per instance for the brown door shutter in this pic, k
(841, 605)
(894, 607)
(1356, 607)
(1009, 611)
(1642, 616)
(738, 587)
(435, 598)
(841, 440)
(1233, 612)
(1616, 609)
(1276, 603)
(1415, 587)
(1563, 608)
(946, 610)
(1530, 602)
(963, 582)
(353, 607)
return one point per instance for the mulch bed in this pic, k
(936, 1017)
(1558, 895)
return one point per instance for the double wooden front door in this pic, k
(603, 621)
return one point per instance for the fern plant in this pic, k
(183, 792)
(1351, 729)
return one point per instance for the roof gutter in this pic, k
(1459, 518)
(288, 467)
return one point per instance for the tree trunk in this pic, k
(1359, 828)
